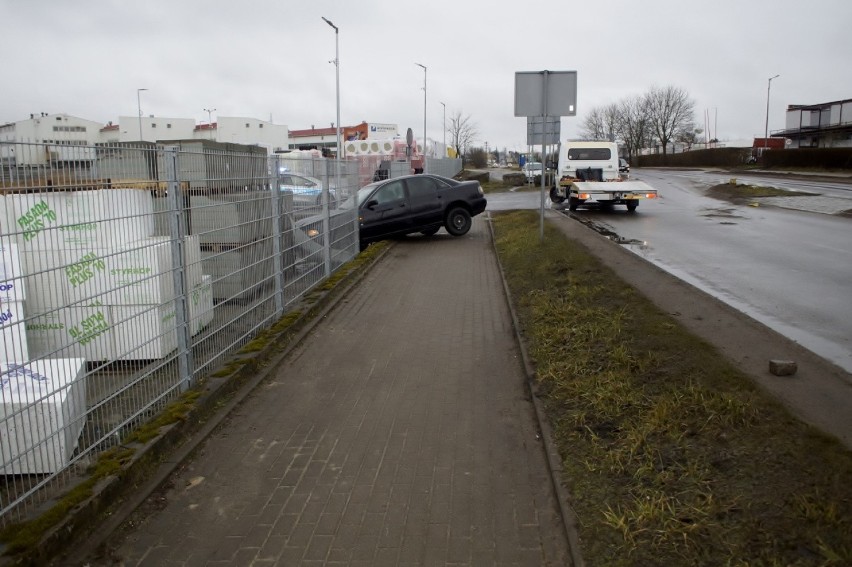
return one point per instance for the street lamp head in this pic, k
(775, 77)
(419, 65)
(329, 23)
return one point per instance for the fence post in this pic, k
(326, 220)
(177, 232)
(277, 235)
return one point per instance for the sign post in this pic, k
(545, 94)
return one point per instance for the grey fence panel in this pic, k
(446, 167)
(131, 272)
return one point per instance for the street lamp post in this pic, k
(209, 112)
(424, 114)
(139, 110)
(445, 130)
(766, 128)
(337, 89)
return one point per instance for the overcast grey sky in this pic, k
(264, 58)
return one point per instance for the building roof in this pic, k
(817, 106)
(771, 143)
(313, 132)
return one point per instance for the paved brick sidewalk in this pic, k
(398, 433)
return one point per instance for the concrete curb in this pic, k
(89, 525)
(554, 460)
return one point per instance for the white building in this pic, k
(233, 130)
(823, 125)
(250, 131)
(152, 128)
(69, 139)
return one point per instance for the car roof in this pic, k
(449, 180)
(302, 176)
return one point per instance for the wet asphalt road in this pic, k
(787, 262)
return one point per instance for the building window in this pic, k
(247, 124)
(260, 125)
(168, 125)
(153, 124)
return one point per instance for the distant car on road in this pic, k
(623, 166)
(531, 169)
(417, 203)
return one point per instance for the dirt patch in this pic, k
(742, 194)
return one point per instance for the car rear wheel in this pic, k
(573, 203)
(632, 206)
(458, 221)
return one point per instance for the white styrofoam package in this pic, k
(12, 286)
(134, 273)
(44, 274)
(201, 305)
(42, 413)
(14, 347)
(144, 332)
(81, 219)
(141, 272)
(77, 331)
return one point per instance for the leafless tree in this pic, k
(593, 125)
(462, 132)
(634, 125)
(689, 136)
(602, 123)
(671, 111)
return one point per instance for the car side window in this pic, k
(390, 192)
(422, 188)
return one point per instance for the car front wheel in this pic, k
(458, 221)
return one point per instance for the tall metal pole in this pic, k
(445, 130)
(339, 150)
(139, 110)
(766, 128)
(424, 115)
(209, 112)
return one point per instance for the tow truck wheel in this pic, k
(632, 206)
(555, 196)
(573, 203)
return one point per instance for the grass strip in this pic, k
(672, 456)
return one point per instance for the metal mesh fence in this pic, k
(131, 271)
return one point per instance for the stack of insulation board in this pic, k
(12, 296)
(42, 414)
(99, 286)
(235, 235)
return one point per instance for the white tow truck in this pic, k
(589, 173)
